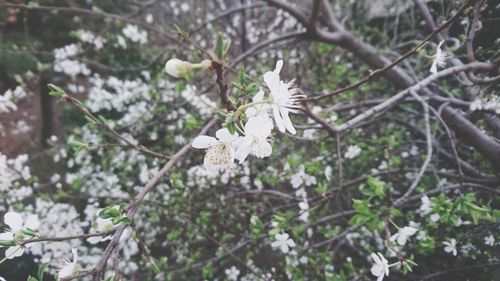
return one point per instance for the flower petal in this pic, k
(94, 240)
(376, 270)
(286, 120)
(272, 81)
(75, 255)
(243, 149)
(14, 252)
(279, 65)
(201, 142)
(277, 118)
(434, 67)
(218, 158)
(284, 248)
(438, 49)
(262, 148)
(258, 126)
(225, 136)
(7, 236)
(259, 96)
(13, 220)
(376, 258)
(32, 222)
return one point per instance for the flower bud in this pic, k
(178, 68)
(205, 64)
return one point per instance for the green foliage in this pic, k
(222, 45)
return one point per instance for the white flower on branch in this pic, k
(260, 108)
(257, 130)
(18, 229)
(284, 98)
(70, 267)
(403, 234)
(133, 33)
(381, 266)
(451, 246)
(232, 273)
(489, 240)
(352, 152)
(179, 68)
(220, 150)
(304, 210)
(101, 225)
(439, 59)
(426, 206)
(283, 242)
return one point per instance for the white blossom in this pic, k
(16, 226)
(260, 109)
(439, 59)
(232, 273)
(220, 150)
(426, 206)
(257, 130)
(88, 37)
(184, 7)
(70, 267)
(149, 18)
(101, 225)
(304, 210)
(121, 42)
(284, 98)
(451, 246)
(489, 240)
(134, 34)
(352, 152)
(283, 242)
(7, 100)
(381, 266)
(403, 234)
(435, 217)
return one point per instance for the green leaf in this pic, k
(242, 76)
(181, 32)
(7, 243)
(29, 232)
(251, 88)
(226, 44)
(110, 212)
(155, 266)
(56, 91)
(126, 220)
(231, 127)
(219, 45)
(208, 271)
(41, 270)
(321, 188)
(31, 278)
(222, 45)
(377, 186)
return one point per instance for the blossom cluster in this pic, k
(8, 99)
(226, 146)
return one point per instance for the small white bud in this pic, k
(179, 68)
